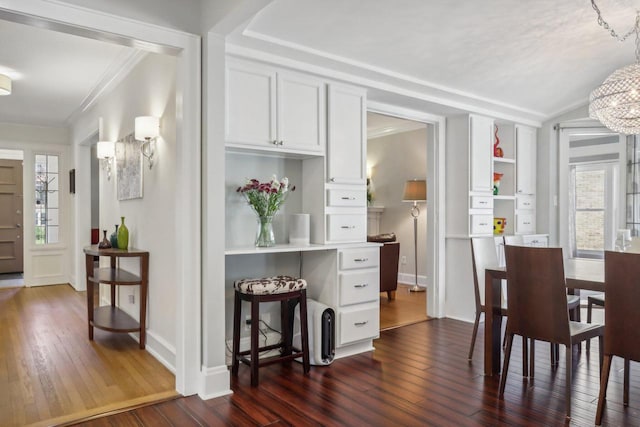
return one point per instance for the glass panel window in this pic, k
(591, 211)
(46, 208)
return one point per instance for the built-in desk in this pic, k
(345, 277)
(110, 317)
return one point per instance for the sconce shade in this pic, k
(415, 191)
(105, 150)
(147, 127)
(5, 85)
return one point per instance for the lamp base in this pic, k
(416, 288)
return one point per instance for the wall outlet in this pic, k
(403, 260)
(132, 299)
(247, 323)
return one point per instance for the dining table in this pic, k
(580, 274)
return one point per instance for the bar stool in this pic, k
(289, 291)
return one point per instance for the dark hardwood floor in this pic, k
(418, 375)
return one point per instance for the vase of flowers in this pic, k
(266, 198)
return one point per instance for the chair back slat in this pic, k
(622, 306)
(483, 254)
(537, 302)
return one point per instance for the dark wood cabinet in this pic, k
(110, 317)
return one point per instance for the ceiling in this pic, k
(528, 59)
(379, 125)
(535, 58)
(55, 75)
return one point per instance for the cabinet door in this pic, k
(346, 135)
(481, 154)
(251, 104)
(301, 112)
(525, 160)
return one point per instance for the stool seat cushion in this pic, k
(270, 285)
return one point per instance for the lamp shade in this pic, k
(415, 191)
(105, 150)
(5, 85)
(147, 127)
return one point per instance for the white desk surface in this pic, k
(250, 250)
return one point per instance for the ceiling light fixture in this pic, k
(5, 85)
(616, 102)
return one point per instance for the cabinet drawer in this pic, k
(347, 197)
(524, 202)
(481, 224)
(536, 241)
(359, 286)
(358, 325)
(346, 228)
(481, 202)
(359, 258)
(525, 223)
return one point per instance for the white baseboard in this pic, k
(214, 382)
(464, 319)
(410, 279)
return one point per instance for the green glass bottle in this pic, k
(123, 235)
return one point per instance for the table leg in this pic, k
(492, 325)
(90, 292)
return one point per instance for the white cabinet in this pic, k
(481, 157)
(347, 120)
(525, 160)
(274, 110)
(474, 200)
(348, 280)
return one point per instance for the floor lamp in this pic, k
(415, 191)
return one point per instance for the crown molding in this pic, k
(117, 71)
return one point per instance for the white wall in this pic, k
(148, 90)
(394, 160)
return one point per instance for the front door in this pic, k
(11, 235)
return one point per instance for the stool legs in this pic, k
(288, 353)
(255, 346)
(237, 307)
(304, 332)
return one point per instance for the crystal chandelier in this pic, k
(616, 102)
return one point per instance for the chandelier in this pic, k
(616, 102)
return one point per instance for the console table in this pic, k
(109, 317)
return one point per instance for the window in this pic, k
(592, 213)
(47, 207)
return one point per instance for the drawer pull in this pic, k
(363, 285)
(361, 323)
(526, 223)
(348, 227)
(483, 223)
(348, 198)
(482, 203)
(527, 204)
(332, 180)
(361, 259)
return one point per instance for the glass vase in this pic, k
(123, 235)
(264, 236)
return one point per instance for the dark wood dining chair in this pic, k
(621, 319)
(537, 307)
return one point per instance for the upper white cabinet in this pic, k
(481, 157)
(346, 159)
(274, 110)
(525, 160)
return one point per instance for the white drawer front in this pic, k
(524, 202)
(359, 258)
(536, 241)
(481, 224)
(359, 286)
(358, 325)
(347, 197)
(347, 228)
(525, 223)
(481, 202)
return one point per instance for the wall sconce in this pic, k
(147, 129)
(106, 151)
(5, 85)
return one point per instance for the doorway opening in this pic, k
(396, 154)
(11, 219)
